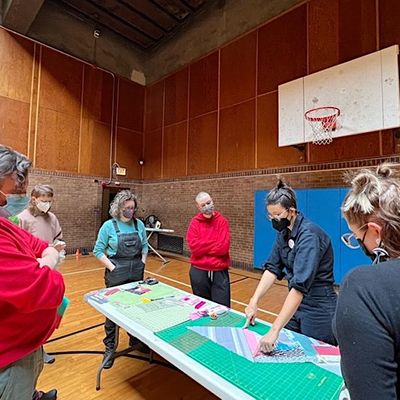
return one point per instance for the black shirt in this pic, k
(303, 255)
(367, 326)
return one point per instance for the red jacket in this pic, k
(208, 240)
(29, 295)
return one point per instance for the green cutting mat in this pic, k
(305, 381)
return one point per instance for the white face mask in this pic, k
(43, 206)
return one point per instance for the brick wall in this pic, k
(78, 200)
(173, 201)
(77, 205)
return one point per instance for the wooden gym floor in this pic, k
(74, 375)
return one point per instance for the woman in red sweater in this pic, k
(30, 293)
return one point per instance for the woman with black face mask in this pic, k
(303, 254)
(122, 248)
(367, 320)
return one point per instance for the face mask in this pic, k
(377, 255)
(280, 224)
(16, 203)
(43, 206)
(208, 209)
(128, 213)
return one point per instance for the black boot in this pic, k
(50, 395)
(108, 358)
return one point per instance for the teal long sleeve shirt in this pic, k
(107, 239)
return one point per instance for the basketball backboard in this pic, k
(366, 90)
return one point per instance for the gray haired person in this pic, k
(121, 246)
(28, 304)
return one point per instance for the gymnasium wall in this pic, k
(66, 115)
(71, 120)
(220, 113)
(209, 126)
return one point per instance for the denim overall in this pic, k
(128, 268)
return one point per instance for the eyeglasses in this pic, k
(350, 239)
(277, 217)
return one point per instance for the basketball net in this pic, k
(323, 121)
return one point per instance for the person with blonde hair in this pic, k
(367, 320)
(122, 248)
(302, 253)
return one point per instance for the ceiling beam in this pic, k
(19, 15)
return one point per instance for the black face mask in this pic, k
(377, 255)
(280, 224)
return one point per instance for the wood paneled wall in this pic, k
(220, 113)
(66, 115)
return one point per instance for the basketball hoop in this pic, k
(323, 121)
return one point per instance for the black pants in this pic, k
(367, 325)
(314, 316)
(211, 285)
(125, 272)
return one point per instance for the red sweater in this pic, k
(208, 240)
(29, 295)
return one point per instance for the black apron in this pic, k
(127, 260)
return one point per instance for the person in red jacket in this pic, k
(209, 239)
(30, 292)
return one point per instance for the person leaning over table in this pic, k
(302, 253)
(367, 319)
(122, 248)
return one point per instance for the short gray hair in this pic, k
(11, 161)
(119, 200)
(201, 195)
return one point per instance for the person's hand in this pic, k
(59, 245)
(111, 267)
(267, 342)
(250, 311)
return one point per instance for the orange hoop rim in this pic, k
(335, 113)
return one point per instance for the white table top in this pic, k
(159, 230)
(207, 378)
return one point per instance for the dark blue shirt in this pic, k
(304, 256)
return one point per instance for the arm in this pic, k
(101, 245)
(143, 238)
(265, 283)
(36, 288)
(106, 262)
(57, 229)
(196, 244)
(290, 306)
(273, 270)
(49, 257)
(221, 246)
